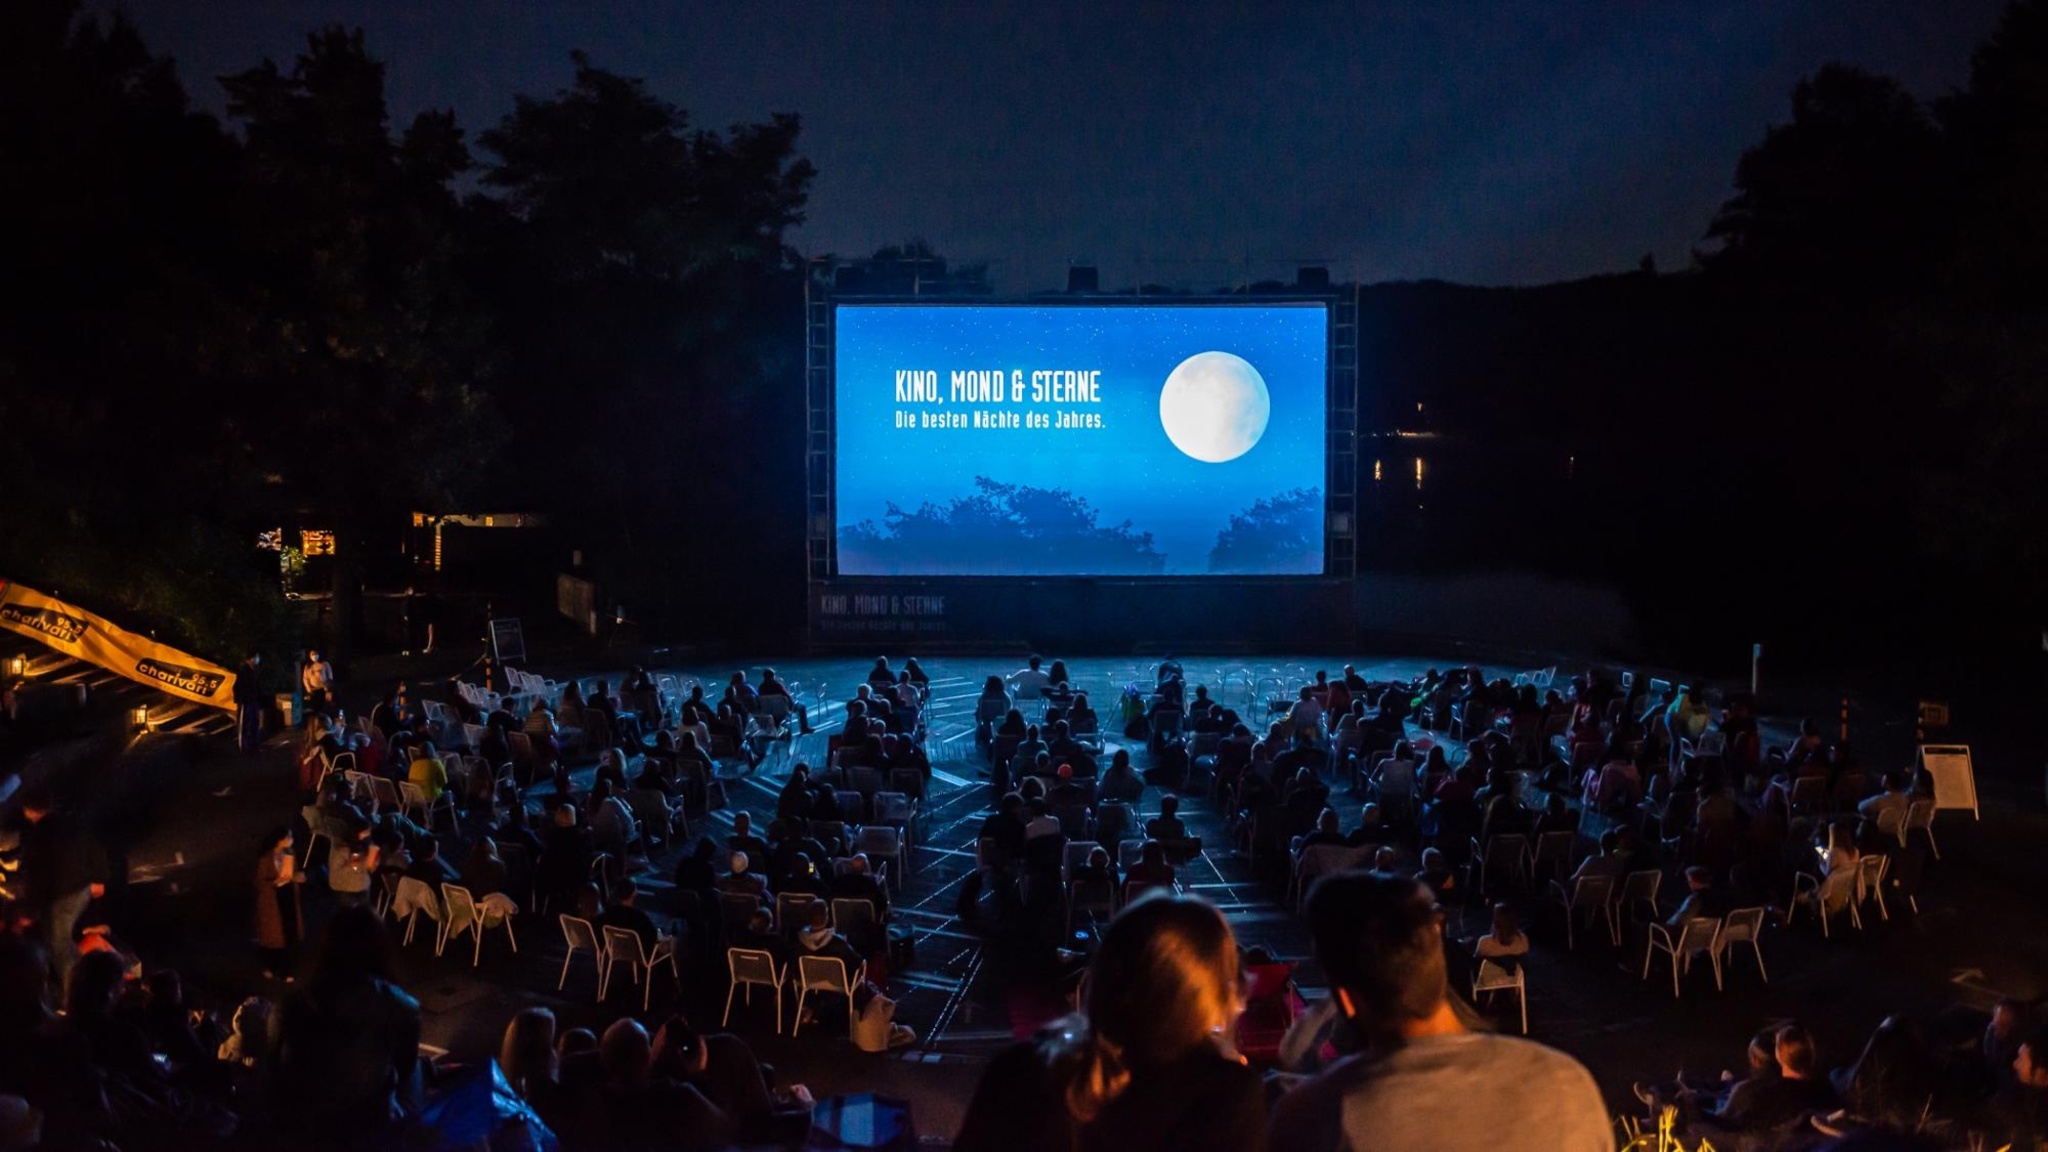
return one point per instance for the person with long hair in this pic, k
(527, 1055)
(1148, 1063)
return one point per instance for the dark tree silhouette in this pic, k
(1846, 197)
(1280, 534)
(1004, 529)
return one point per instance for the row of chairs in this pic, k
(613, 946)
(750, 968)
(1848, 888)
(454, 911)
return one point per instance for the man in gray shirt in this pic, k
(1424, 1081)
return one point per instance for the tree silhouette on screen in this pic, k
(1282, 533)
(1006, 529)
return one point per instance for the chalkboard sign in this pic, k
(1955, 780)
(508, 640)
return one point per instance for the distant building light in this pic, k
(316, 542)
(270, 540)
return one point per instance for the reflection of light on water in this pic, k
(1375, 471)
(1418, 472)
(1571, 467)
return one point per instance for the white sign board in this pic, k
(1955, 781)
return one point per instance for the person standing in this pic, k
(62, 871)
(316, 679)
(249, 702)
(277, 905)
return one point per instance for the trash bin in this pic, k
(288, 709)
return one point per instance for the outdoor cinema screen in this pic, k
(1080, 440)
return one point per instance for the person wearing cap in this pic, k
(1068, 791)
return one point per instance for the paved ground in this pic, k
(1981, 927)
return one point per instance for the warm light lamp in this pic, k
(139, 716)
(17, 666)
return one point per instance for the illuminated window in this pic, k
(316, 542)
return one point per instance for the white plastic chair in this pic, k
(580, 936)
(1870, 872)
(1920, 818)
(414, 897)
(1839, 887)
(465, 914)
(624, 944)
(882, 842)
(899, 811)
(1503, 852)
(749, 967)
(1318, 860)
(1696, 938)
(823, 974)
(1744, 926)
(1639, 887)
(1592, 897)
(851, 915)
(1489, 976)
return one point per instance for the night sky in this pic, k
(1187, 144)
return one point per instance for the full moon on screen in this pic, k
(1214, 406)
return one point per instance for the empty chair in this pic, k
(747, 969)
(735, 909)
(1096, 897)
(898, 810)
(1809, 794)
(466, 914)
(1554, 851)
(1321, 859)
(908, 781)
(864, 780)
(1590, 897)
(852, 917)
(1112, 821)
(792, 911)
(580, 936)
(1870, 872)
(1920, 818)
(1506, 853)
(384, 795)
(1697, 937)
(1639, 889)
(824, 974)
(625, 944)
(1743, 926)
(881, 843)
